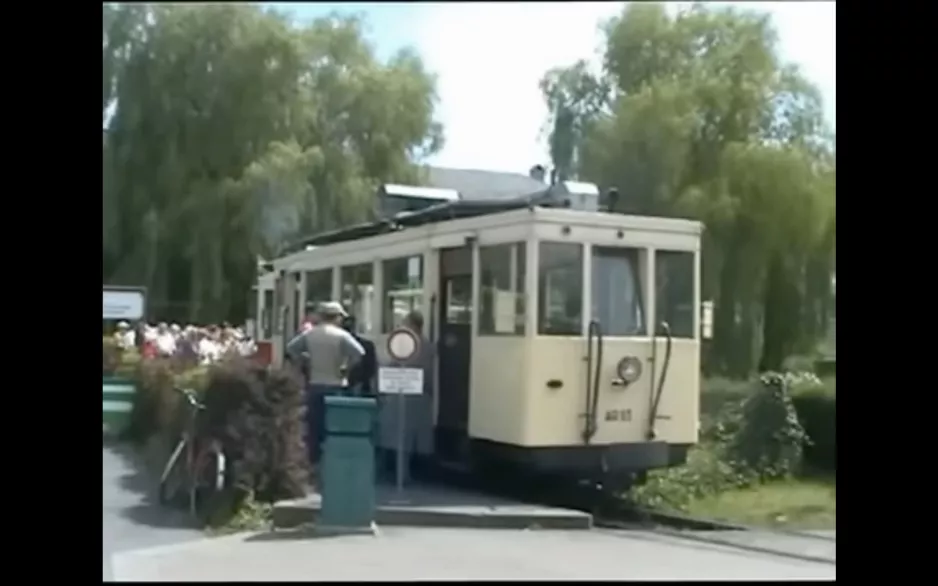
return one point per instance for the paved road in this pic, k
(130, 521)
(404, 553)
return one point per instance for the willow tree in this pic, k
(233, 131)
(695, 114)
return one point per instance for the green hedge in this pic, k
(815, 403)
(817, 411)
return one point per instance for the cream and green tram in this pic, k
(564, 341)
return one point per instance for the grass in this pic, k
(794, 504)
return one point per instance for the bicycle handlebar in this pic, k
(190, 398)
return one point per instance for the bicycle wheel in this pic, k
(210, 485)
(174, 478)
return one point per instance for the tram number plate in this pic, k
(619, 415)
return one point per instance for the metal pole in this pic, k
(401, 435)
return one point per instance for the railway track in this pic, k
(615, 515)
(805, 547)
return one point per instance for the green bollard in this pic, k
(118, 399)
(348, 468)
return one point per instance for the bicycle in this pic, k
(196, 466)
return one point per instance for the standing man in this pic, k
(329, 353)
(361, 377)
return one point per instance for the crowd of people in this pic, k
(204, 345)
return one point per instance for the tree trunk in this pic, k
(782, 319)
(724, 318)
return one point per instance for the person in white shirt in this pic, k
(150, 333)
(165, 340)
(247, 347)
(209, 350)
(176, 331)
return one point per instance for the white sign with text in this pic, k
(400, 381)
(123, 304)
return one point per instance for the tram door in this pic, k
(454, 350)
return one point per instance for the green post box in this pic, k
(348, 469)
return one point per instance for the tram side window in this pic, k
(560, 289)
(357, 292)
(617, 291)
(674, 292)
(403, 290)
(267, 324)
(318, 290)
(502, 298)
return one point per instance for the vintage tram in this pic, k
(566, 339)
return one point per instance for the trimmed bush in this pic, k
(256, 413)
(271, 454)
(769, 439)
(155, 402)
(817, 411)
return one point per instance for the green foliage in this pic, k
(250, 515)
(718, 398)
(769, 439)
(234, 130)
(816, 405)
(156, 405)
(695, 114)
(706, 472)
(752, 431)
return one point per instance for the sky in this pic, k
(489, 58)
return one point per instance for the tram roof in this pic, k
(442, 212)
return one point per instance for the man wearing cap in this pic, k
(329, 352)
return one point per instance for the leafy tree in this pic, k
(234, 130)
(696, 115)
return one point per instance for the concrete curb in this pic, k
(289, 515)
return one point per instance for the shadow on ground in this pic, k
(138, 480)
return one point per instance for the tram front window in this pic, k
(501, 289)
(617, 291)
(559, 289)
(674, 292)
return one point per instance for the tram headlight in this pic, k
(629, 369)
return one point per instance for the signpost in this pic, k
(124, 303)
(403, 345)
